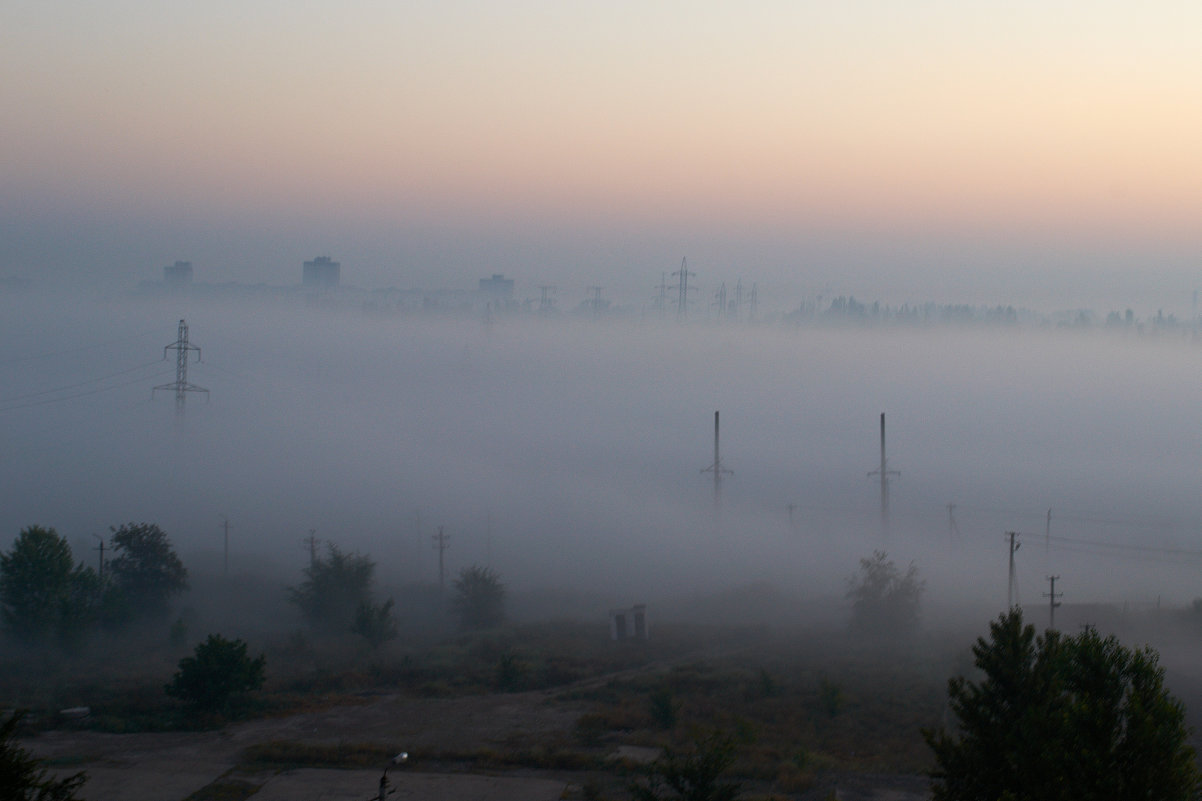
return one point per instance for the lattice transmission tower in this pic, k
(181, 346)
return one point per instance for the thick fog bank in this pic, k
(569, 453)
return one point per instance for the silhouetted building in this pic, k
(321, 273)
(628, 624)
(178, 274)
(500, 287)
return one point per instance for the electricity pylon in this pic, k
(682, 303)
(181, 346)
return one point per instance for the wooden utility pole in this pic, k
(441, 543)
(1013, 588)
(225, 524)
(100, 547)
(312, 542)
(1052, 595)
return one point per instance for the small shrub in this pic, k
(830, 697)
(218, 672)
(510, 671)
(693, 775)
(374, 622)
(479, 600)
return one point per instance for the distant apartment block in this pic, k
(321, 273)
(178, 274)
(499, 287)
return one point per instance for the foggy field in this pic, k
(567, 453)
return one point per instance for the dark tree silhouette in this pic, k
(479, 600)
(42, 594)
(146, 571)
(335, 588)
(1061, 718)
(884, 599)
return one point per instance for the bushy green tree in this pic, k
(1057, 718)
(335, 587)
(146, 572)
(42, 593)
(884, 599)
(218, 673)
(479, 600)
(23, 777)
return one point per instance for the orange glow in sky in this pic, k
(929, 115)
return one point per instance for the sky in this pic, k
(972, 152)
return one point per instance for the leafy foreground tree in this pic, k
(216, 675)
(884, 599)
(479, 600)
(42, 592)
(336, 595)
(1060, 718)
(22, 776)
(693, 775)
(146, 571)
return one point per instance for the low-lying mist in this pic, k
(568, 453)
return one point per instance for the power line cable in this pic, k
(27, 395)
(69, 351)
(96, 391)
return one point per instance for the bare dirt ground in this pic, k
(169, 767)
(172, 766)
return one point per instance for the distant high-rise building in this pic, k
(321, 273)
(498, 286)
(178, 274)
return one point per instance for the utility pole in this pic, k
(100, 547)
(682, 303)
(312, 542)
(488, 538)
(1012, 592)
(225, 524)
(884, 472)
(716, 468)
(952, 529)
(1047, 535)
(441, 543)
(792, 508)
(181, 346)
(1052, 595)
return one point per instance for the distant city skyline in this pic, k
(979, 152)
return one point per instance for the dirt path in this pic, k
(168, 767)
